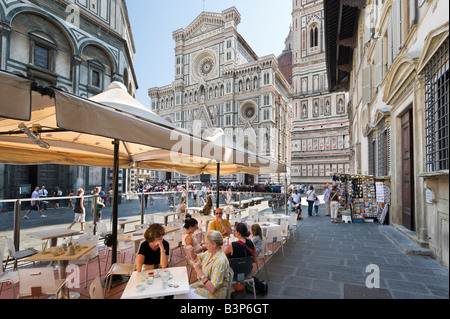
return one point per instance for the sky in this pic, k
(264, 25)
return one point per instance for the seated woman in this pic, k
(181, 208)
(212, 270)
(257, 238)
(208, 206)
(243, 247)
(154, 251)
(188, 239)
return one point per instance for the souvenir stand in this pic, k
(358, 197)
(363, 198)
(383, 198)
(344, 202)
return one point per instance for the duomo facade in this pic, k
(220, 82)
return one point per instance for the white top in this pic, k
(311, 195)
(296, 198)
(196, 245)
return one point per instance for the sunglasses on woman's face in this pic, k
(219, 213)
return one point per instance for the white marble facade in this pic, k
(220, 82)
(320, 127)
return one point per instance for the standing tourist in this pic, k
(316, 205)
(325, 199)
(333, 199)
(97, 202)
(310, 196)
(43, 193)
(80, 212)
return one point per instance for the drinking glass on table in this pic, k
(165, 280)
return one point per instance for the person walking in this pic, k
(325, 199)
(333, 199)
(310, 196)
(98, 202)
(316, 205)
(34, 204)
(43, 193)
(80, 212)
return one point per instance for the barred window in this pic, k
(436, 110)
(372, 154)
(384, 149)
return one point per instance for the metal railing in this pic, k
(131, 204)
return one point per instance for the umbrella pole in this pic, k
(115, 200)
(116, 279)
(217, 187)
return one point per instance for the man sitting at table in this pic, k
(221, 225)
(154, 251)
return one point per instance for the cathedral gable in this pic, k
(205, 23)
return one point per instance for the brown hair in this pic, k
(153, 232)
(257, 231)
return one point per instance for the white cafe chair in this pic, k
(253, 215)
(10, 277)
(36, 282)
(273, 236)
(96, 289)
(262, 256)
(175, 242)
(243, 268)
(88, 240)
(17, 255)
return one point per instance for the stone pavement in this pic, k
(328, 258)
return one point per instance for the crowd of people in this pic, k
(210, 259)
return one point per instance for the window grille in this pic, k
(372, 154)
(436, 110)
(382, 151)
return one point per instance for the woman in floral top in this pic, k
(212, 270)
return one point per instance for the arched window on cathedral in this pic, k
(314, 36)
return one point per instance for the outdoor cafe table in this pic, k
(63, 260)
(194, 209)
(53, 234)
(127, 220)
(264, 226)
(137, 236)
(278, 216)
(179, 284)
(166, 215)
(204, 220)
(231, 211)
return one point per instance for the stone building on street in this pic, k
(392, 57)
